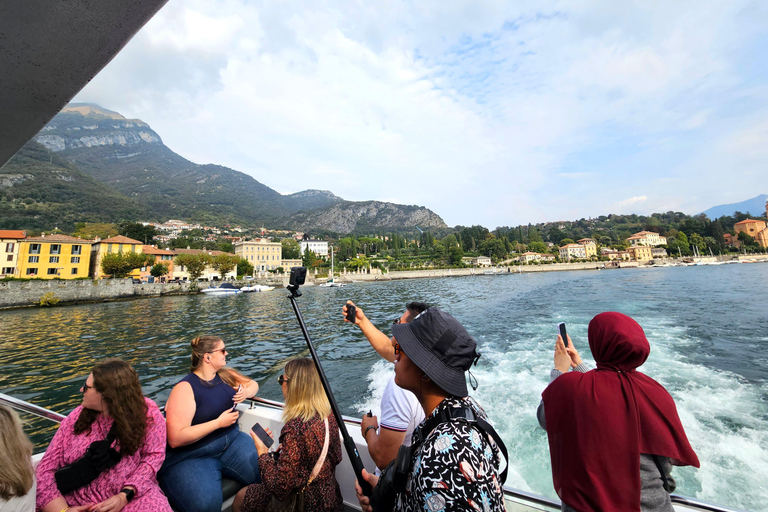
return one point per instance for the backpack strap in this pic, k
(319, 464)
(467, 414)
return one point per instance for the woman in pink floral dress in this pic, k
(111, 397)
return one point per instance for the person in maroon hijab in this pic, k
(613, 432)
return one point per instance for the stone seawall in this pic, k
(28, 293)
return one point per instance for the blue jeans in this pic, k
(192, 479)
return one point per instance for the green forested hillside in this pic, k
(40, 190)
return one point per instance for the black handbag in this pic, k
(98, 457)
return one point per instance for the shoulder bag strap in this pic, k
(664, 480)
(321, 460)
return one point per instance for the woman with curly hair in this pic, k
(204, 441)
(106, 453)
(17, 476)
(309, 450)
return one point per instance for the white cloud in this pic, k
(495, 113)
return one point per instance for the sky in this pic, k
(492, 113)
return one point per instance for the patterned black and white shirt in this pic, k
(455, 469)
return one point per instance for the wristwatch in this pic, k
(369, 427)
(129, 493)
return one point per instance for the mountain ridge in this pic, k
(754, 206)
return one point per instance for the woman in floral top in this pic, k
(301, 445)
(111, 396)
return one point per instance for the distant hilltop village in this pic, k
(181, 251)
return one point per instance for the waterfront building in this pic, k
(163, 256)
(528, 257)
(287, 264)
(261, 253)
(546, 257)
(54, 256)
(9, 250)
(754, 228)
(590, 247)
(573, 251)
(648, 238)
(113, 245)
(658, 252)
(482, 261)
(319, 247)
(640, 253)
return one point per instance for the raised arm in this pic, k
(179, 411)
(380, 342)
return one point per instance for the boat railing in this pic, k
(529, 497)
(36, 410)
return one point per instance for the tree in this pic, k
(566, 241)
(137, 231)
(224, 264)
(359, 262)
(308, 258)
(455, 253)
(194, 263)
(158, 270)
(539, 247)
(90, 231)
(291, 249)
(682, 243)
(119, 265)
(244, 267)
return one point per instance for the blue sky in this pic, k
(492, 113)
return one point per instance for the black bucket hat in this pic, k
(441, 347)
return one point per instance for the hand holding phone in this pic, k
(563, 334)
(262, 435)
(234, 405)
(351, 313)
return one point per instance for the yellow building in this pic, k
(113, 245)
(261, 253)
(647, 238)
(754, 228)
(9, 250)
(640, 253)
(590, 247)
(54, 256)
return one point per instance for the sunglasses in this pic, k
(282, 379)
(397, 349)
(86, 387)
(222, 350)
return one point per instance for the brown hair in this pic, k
(119, 386)
(205, 345)
(304, 395)
(16, 471)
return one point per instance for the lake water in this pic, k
(708, 328)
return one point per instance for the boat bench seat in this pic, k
(229, 488)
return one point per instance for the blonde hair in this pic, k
(205, 345)
(16, 471)
(304, 395)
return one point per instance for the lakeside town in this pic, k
(233, 252)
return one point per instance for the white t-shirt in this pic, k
(400, 410)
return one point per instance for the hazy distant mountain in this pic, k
(129, 157)
(366, 216)
(755, 206)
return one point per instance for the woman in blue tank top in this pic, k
(204, 441)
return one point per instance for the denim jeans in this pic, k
(192, 479)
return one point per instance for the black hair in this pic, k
(416, 308)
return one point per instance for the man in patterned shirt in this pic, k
(454, 463)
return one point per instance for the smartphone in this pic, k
(262, 434)
(234, 406)
(561, 331)
(351, 313)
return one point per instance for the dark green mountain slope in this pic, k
(40, 190)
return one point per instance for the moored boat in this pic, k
(223, 289)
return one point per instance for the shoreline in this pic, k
(26, 294)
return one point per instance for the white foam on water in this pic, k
(380, 374)
(724, 416)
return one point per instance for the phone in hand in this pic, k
(561, 331)
(234, 405)
(351, 313)
(262, 434)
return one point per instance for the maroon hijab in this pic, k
(599, 422)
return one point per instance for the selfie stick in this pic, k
(349, 443)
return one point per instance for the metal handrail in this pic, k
(21, 405)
